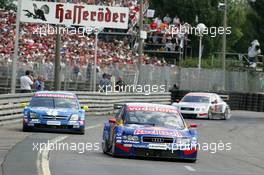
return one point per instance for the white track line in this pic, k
(43, 154)
(189, 168)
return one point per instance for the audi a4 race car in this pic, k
(203, 105)
(149, 130)
(54, 111)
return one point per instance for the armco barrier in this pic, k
(98, 103)
(237, 101)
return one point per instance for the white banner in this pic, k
(150, 13)
(74, 14)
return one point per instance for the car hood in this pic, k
(54, 112)
(191, 105)
(146, 130)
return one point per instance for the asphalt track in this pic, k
(244, 131)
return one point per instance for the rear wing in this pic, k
(225, 97)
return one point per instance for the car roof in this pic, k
(203, 94)
(149, 105)
(56, 92)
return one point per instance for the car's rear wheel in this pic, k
(226, 114)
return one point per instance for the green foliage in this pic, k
(7, 5)
(239, 18)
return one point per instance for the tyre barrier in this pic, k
(99, 104)
(237, 101)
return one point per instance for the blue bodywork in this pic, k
(54, 119)
(150, 141)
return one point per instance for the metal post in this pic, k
(95, 60)
(200, 52)
(224, 45)
(15, 55)
(140, 43)
(57, 75)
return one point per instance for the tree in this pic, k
(7, 5)
(208, 13)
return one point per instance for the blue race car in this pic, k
(54, 111)
(150, 130)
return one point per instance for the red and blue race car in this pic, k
(149, 130)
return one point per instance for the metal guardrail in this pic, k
(98, 103)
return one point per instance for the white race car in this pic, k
(203, 105)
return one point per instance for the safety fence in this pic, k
(100, 104)
(186, 78)
(237, 101)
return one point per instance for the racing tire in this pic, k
(105, 147)
(82, 132)
(192, 160)
(226, 114)
(210, 115)
(113, 147)
(26, 128)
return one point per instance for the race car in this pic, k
(55, 111)
(149, 130)
(203, 105)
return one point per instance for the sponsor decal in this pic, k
(157, 132)
(74, 14)
(158, 146)
(55, 123)
(151, 109)
(55, 95)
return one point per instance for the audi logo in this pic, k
(159, 140)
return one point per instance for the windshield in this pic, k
(49, 102)
(196, 99)
(161, 119)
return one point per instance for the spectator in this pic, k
(120, 85)
(105, 83)
(39, 83)
(167, 19)
(26, 82)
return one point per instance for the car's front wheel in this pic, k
(210, 115)
(26, 128)
(192, 160)
(113, 147)
(82, 131)
(105, 147)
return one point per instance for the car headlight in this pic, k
(183, 141)
(197, 109)
(130, 138)
(203, 109)
(75, 117)
(33, 115)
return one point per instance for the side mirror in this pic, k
(112, 120)
(23, 105)
(214, 102)
(177, 100)
(193, 125)
(86, 108)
